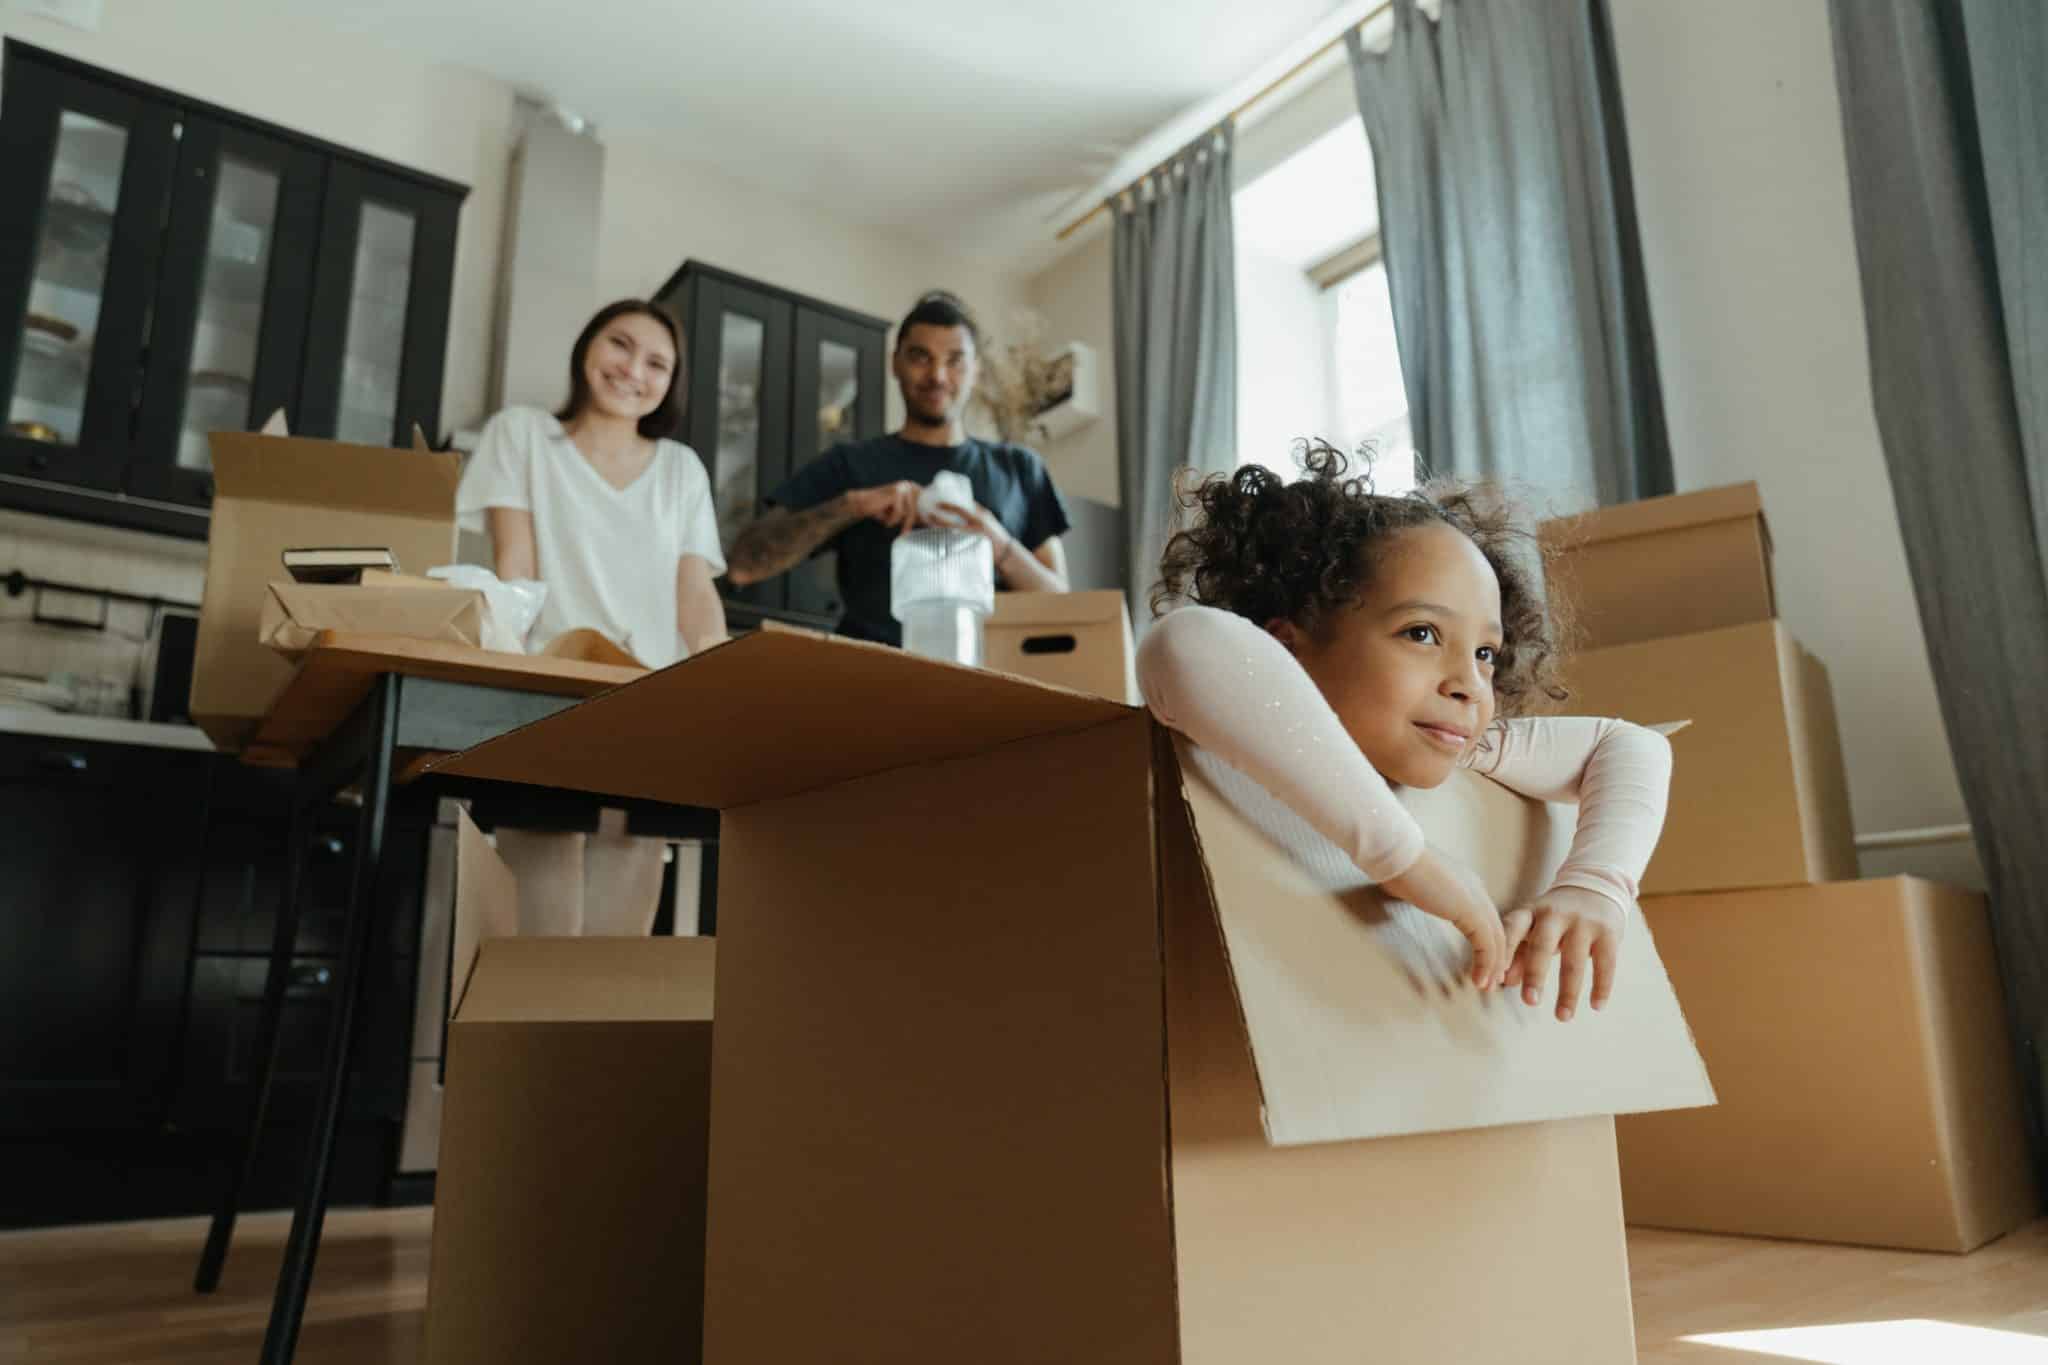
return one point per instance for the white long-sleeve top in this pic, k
(1234, 690)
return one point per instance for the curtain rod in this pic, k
(1282, 79)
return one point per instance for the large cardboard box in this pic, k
(1858, 1040)
(1665, 566)
(1034, 1044)
(274, 493)
(1080, 640)
(1759, 796)
(569, 1201)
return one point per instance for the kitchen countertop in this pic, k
(28, 720)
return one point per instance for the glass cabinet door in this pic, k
(82, 179)
(738, 408)
(385, 274)
(838, 378)
(231, 315)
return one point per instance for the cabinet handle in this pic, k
(310, 976)
(58, 761)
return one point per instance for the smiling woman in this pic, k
(598, 503)
(616, 519)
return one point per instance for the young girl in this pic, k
(1338, 641)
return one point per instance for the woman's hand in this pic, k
(1437, 886)
(1574, 926)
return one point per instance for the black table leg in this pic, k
(378, 738)
(282, 944)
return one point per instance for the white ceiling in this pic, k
(968, 125)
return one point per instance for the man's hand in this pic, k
(1574, 926)
(1437, 886)
(974, 517)
(892, 504)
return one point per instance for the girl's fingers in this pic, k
(1571, 970)
(1606, 956)
(1537, 952)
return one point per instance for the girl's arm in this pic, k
(1236, 691)
(1618, 773)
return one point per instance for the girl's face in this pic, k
(1409, 669)
(629, 366)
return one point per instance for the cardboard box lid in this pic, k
(1096, 607)
(553, 980)
(254, 467)
(729, 727)
(1359, 1020)
(504, 979)
(1351, 1033)
(1669, 513)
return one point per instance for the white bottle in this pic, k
(942, 582)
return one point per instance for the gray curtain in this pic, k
(1174, 279)
(1507, 220)
(1946, 177)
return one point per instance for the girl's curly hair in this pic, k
(1305, 551)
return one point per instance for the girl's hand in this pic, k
(1437, 886)
(1575, 927)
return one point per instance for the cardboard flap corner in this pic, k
(1359, 1016)
(486, 904)
(773, 714)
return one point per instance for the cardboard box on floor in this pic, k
(1674, 565)
(273, 493)
(1032, 1047)
(1857, 1037)
(1080, 640)
(1759, 796)
(569, 1204)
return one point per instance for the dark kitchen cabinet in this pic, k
(168, 269)
(138, 895)
(96, 890)
(776, 379)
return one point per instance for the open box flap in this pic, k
(1360, 1020)
(255, 467)
(774, 714)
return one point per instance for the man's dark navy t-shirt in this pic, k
(1009, 480)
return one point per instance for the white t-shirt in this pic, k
(607, 555)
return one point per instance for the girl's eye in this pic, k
(1421, 635)
(1488, 655)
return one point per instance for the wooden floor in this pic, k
(123, 1295)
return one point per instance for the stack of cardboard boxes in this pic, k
(1855, 1030)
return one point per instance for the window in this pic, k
(1316, 353)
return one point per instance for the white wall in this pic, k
(1072, 297)
(660, 209)
(1742, 190)
(1284, 361)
